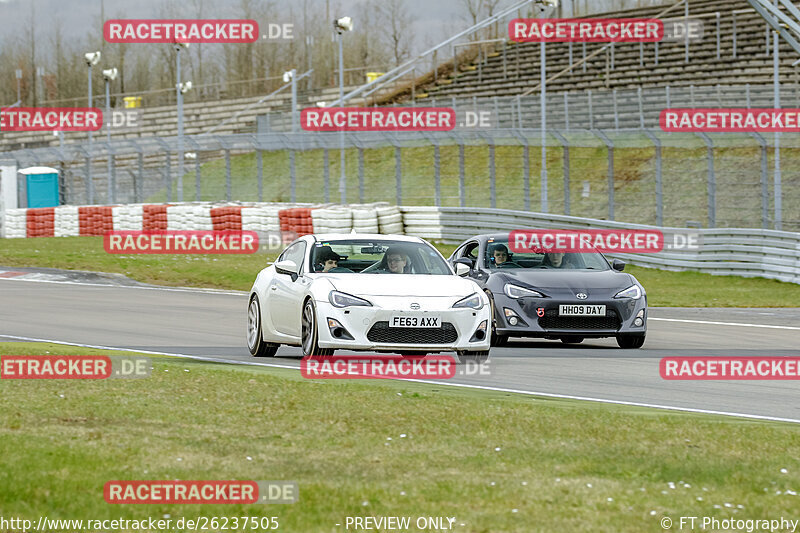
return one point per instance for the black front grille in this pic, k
(382, 333)
(551, 320)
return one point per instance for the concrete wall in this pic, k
(582, 8)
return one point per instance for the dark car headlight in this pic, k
(342, 299)
(515, 291)
(473, 301)
(633, 292)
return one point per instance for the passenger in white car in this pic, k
(395, 261)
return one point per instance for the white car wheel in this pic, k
(309, 333)
(255, 342)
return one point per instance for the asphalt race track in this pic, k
(211, 324)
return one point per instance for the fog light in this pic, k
(512, 317)
(638, 322)
(480, 333)
(338, 331)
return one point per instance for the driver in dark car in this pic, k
(557, 260)
(500, 256)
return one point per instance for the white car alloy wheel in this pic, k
(255, 343)
(309, 333)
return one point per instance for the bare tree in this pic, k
(399, 29)
(32, 46)
(198, 7)
(490, 7)
(473, 8)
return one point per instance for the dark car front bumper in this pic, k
(539, 317)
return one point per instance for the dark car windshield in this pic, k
(499, 256)
(377, 257)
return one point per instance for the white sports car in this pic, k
(383, 293)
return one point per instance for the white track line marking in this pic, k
(226, 292)
(724, 323)
(446, 384)
(171, 354)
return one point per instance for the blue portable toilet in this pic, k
(39, 187)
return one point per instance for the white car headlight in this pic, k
(631, 292)
(342, 299)
(515, 291)
(473, 301)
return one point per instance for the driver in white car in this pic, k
(327, 259)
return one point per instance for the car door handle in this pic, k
(274, 288)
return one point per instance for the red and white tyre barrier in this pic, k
(67, 221)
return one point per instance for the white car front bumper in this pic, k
(369, 327)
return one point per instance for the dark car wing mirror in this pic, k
(618, 265)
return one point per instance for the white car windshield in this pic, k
(377, 257)
(498, 255)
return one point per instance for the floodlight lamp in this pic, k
(92, 58)
(321, 104)
(110, 74)
(179, 46)
(287, 76)
(551, 3)
(343, 24)
(186, 87)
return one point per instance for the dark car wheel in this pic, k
(496, 340)
(309, 334)
(255, 342)
(630, 341)
(572, 339)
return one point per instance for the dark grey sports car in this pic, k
(566, 296)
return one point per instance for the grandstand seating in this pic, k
(511, 72)
(198, 118)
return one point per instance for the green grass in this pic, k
(684, 167)
(472, 455)
(696, 289)
(664, 288)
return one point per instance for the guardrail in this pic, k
(723, 251)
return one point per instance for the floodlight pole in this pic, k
(18, 74)
(777, 185)
(543, 113)
(179, 94)
(342, 178)
(89, 183)
(111, 185)
(295, 123)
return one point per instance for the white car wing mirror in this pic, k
(288, 267)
